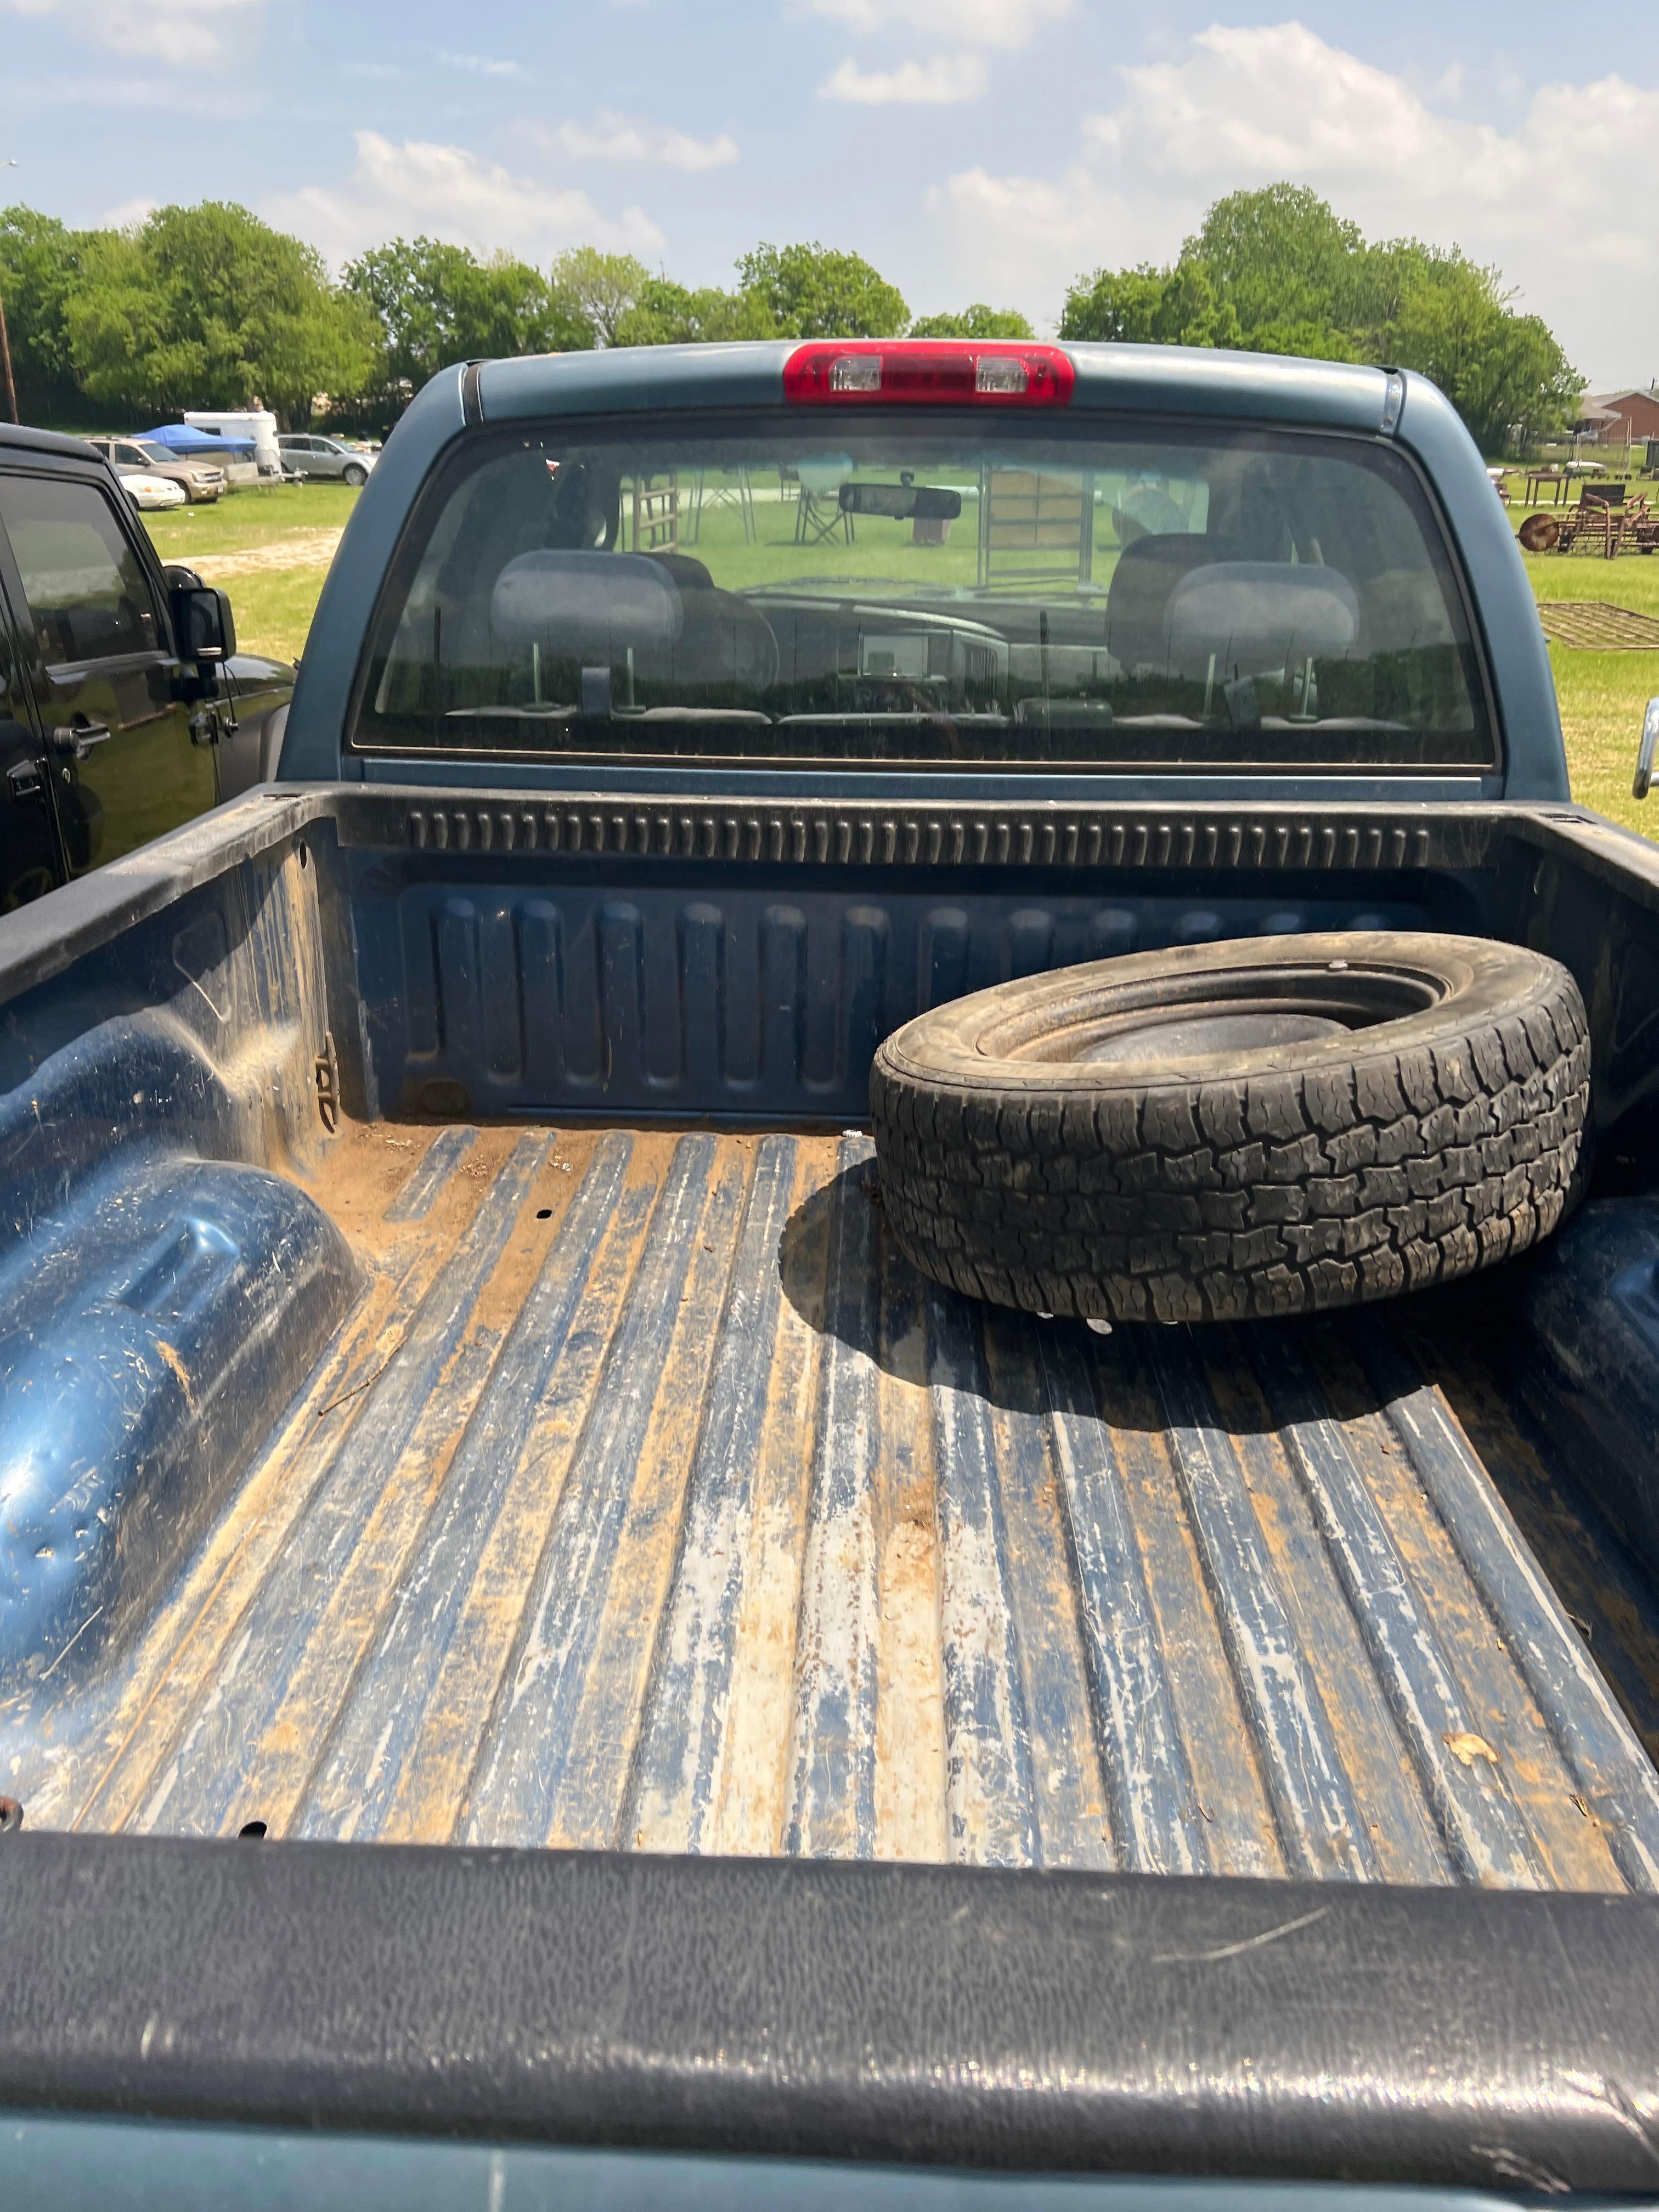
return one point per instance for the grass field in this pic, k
(269, 548)
(1602, 694)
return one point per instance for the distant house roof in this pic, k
(1607, 403)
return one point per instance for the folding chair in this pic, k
(818, 510)
(737, 492)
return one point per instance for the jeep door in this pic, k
(30, 862)
(124, 765)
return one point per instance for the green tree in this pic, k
(1150, 307)
(1117, 307)
(208, 306)
(1279, 272)
(978, 321)
(1280, 255)
(436, 303)
(598, 289)
(39, 269)
(1389, 272)
(666, 314)
(1505, 374)
(1304, 341)
(815, 292)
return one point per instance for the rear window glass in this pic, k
(902, 592)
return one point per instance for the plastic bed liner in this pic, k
(646, 1499)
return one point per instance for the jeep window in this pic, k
(85, 589)
(896, 592)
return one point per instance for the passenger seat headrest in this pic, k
(689, 575)
(585, 604)
(1258, 617)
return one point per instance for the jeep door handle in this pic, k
(75, 740)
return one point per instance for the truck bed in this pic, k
(645, 1498)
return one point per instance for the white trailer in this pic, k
(257, 423)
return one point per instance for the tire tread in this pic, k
(1235, 1198)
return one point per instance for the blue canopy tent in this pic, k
(184, 439)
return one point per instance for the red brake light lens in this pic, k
(944, 372)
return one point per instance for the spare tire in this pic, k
(1269, 1126)
(1540, 533)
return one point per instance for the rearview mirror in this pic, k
(901, 503)
(1645, 751)
(204, 628)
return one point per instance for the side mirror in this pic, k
(1644, 752)
(203, 627)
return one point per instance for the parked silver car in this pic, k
(201, 480)
(308, 455)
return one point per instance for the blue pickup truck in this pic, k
(838, 1374)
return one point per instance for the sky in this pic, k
(973, 149)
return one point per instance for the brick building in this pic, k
(1620, 418)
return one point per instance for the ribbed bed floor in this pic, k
(648, 1500)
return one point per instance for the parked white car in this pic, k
(150, 491)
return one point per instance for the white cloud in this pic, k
(128, 214)
(1562, 202)
(481, 65)
(942, 81)
(612, 137)
(197, 31)
(157, 96)
(449, 192)
(973, 22)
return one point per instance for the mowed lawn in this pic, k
(1602, 694)
(269, 548)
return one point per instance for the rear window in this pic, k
(920, 593)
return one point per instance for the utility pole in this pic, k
(5, 365)
(5, 346)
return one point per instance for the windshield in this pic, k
(900, 591)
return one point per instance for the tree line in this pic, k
(1279, 272)
(208, 306)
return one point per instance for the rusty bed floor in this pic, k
(646, 1499)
